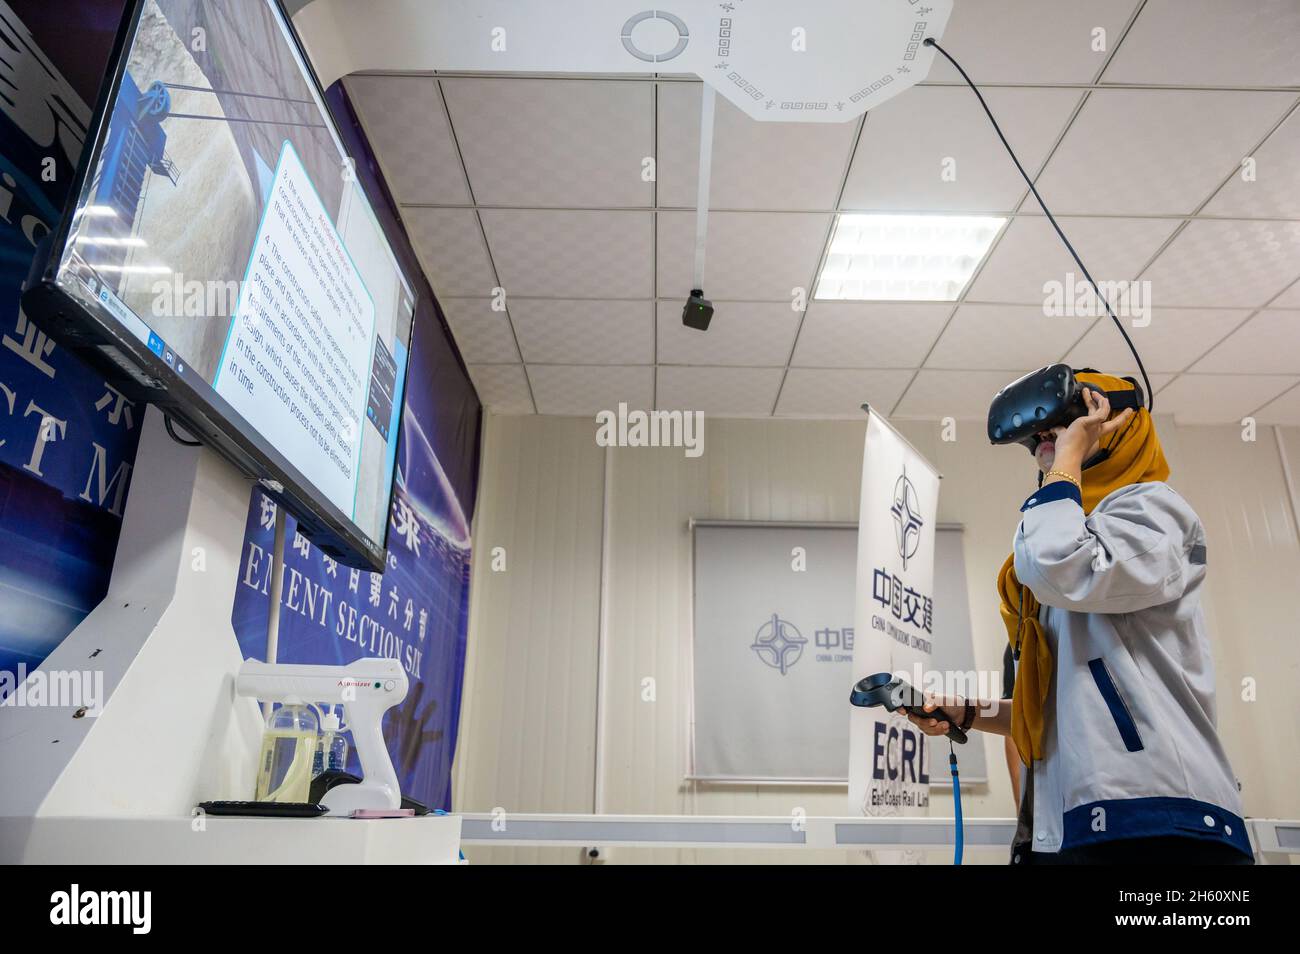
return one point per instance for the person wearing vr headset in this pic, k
(1113, 711)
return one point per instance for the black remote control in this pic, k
(265, 809)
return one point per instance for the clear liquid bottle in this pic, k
(332, 749)
(288, 746)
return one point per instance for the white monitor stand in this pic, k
(171, 732)
(121, 787)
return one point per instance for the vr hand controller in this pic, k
(881, 689)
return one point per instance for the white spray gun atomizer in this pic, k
(367, 689)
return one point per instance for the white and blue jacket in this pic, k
(1130, 748)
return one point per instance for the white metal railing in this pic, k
(1274, 840)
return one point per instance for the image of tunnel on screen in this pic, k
(224, 224)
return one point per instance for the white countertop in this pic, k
(427, 839)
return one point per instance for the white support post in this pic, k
(707, 104)
(161, 653)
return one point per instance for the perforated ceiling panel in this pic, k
(1166, 143)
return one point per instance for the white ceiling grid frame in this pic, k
(755, 334)
(719, 392)
(905, 143)
(1150, 152)
(433, 253)
(1212, 301)
(1173, 340)
(584, 331)
(869, 334)
(583, 390)
(1030, 253)
(1270, 339)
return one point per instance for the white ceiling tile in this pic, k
(407, 126)
(571, 254)
(721, 392)
(502, 388)
(1267, 344)
(1029, 41)
(1158, 381)
(1274, 192)
(756, 165)
(1220, 398)
(852, 334)
(580, 390)
(749, 256)
(1210, 43)
(484, 336)
(1030, 254)
(1174, 338)
(839, 392)
(998, 337)
(556, 143)
(1154, 151)
(554, 331)
(755, 334)
(901, 156)
(963, 395)
(450, 245)
(1221, 263)
(1288, 299)
(1284, 410)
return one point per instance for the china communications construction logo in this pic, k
(779, 644)
(907, 518)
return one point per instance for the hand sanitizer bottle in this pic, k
(332, 750)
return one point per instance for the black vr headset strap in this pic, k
(1119, 401)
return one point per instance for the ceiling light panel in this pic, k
(904, 257)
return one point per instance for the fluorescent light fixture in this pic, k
(904, 257)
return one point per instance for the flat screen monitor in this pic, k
(220, 259)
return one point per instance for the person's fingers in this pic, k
(1122, 419)
(1099, 406)
(928, 725)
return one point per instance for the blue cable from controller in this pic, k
(956, 802)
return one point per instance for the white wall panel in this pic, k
(527, 737)
(530, 699)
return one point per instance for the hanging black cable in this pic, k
(171, 432)
(1150, 395)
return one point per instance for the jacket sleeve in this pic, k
(1134, 551)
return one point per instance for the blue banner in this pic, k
(67, 437)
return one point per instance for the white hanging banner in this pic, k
(889, 758)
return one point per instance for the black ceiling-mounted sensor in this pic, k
(698, 311)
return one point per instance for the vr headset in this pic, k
(1046, 398)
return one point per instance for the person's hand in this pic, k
(927, 723)
(1085, 432)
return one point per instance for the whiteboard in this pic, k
(772, 651)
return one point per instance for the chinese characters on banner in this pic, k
(889, 758)
(67, 436)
